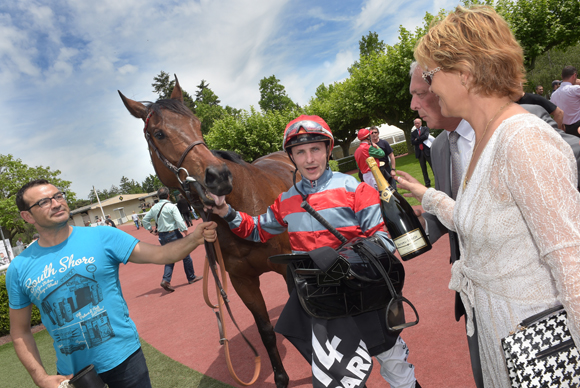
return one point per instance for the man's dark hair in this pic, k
(163, 193)
(568, 72)
(22, 206)
(539, 86)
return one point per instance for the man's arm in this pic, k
(392, 159)
(423, 136)
(27, 351)
(144, 253)
(145, 221)
(558, 115)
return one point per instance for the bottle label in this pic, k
(386, 195)
(410, 242)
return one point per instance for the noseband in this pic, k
(163, 159)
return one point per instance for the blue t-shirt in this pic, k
(76, 287)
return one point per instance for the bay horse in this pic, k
(175, 132)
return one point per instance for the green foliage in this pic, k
(376, 92)
(549, 67)
(207, 107)
(5, 310)
(273, 95)
(253, 134)
(129, 186)
(369, 45)
(151, 184)
(333, 164)
(347, 164)
(540, 25)
(13, 175)
(399, 148)
(163, 87)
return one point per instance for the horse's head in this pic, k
(177, 148)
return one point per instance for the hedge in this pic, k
(5, 311)
(399, 148)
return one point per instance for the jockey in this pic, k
(353, 209)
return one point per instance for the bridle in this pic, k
(162, 158)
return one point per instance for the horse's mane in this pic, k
(229, 155)
(171, 105)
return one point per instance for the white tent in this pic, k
(389, 133)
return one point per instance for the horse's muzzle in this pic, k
(218, 180)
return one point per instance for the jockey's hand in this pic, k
(221, 209)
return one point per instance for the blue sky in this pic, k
(62, 62)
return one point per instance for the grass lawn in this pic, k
(164, 372)
(410, 165)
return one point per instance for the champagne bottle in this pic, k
(400, 219)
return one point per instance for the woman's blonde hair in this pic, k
(479, 41)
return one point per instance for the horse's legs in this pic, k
(249, 291)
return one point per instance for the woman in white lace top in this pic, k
(517, 211)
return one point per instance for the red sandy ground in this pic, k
(180, 324)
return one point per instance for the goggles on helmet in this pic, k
(307, 127)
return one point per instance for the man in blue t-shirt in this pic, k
(72, 275)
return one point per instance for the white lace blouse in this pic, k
(518, 222)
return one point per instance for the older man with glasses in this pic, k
(72, 275)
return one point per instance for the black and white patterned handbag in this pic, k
(541, 352)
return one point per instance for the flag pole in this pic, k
(101, 206)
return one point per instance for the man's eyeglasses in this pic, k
(45, 202)
(428, 75)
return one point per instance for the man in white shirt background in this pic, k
(567, 97)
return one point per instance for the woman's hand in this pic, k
(407, 182)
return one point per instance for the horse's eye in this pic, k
(159, 135)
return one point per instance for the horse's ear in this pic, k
(177, 94)
(134, 107)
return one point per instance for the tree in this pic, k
(128, 186)
(273, 95)
(369, 45)
(539, 25)
(163, 87)
(151, 184)
(13, 175)
(253, 135)
(376, 92)
(549, 67)
(205, 95)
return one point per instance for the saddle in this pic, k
(360, 276)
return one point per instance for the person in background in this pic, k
(540, 90)
(366, 149)
(79, 268)
(135, 218)
(422, 151)
(567, 97)
(550, 107)
(184, 208)
(531, 262)
(388, 168)
(170, 227)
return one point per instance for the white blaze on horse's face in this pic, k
(310, 159)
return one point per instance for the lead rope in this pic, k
(213, 259)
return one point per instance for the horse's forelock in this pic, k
(171, 105)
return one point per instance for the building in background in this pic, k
(119, 207)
